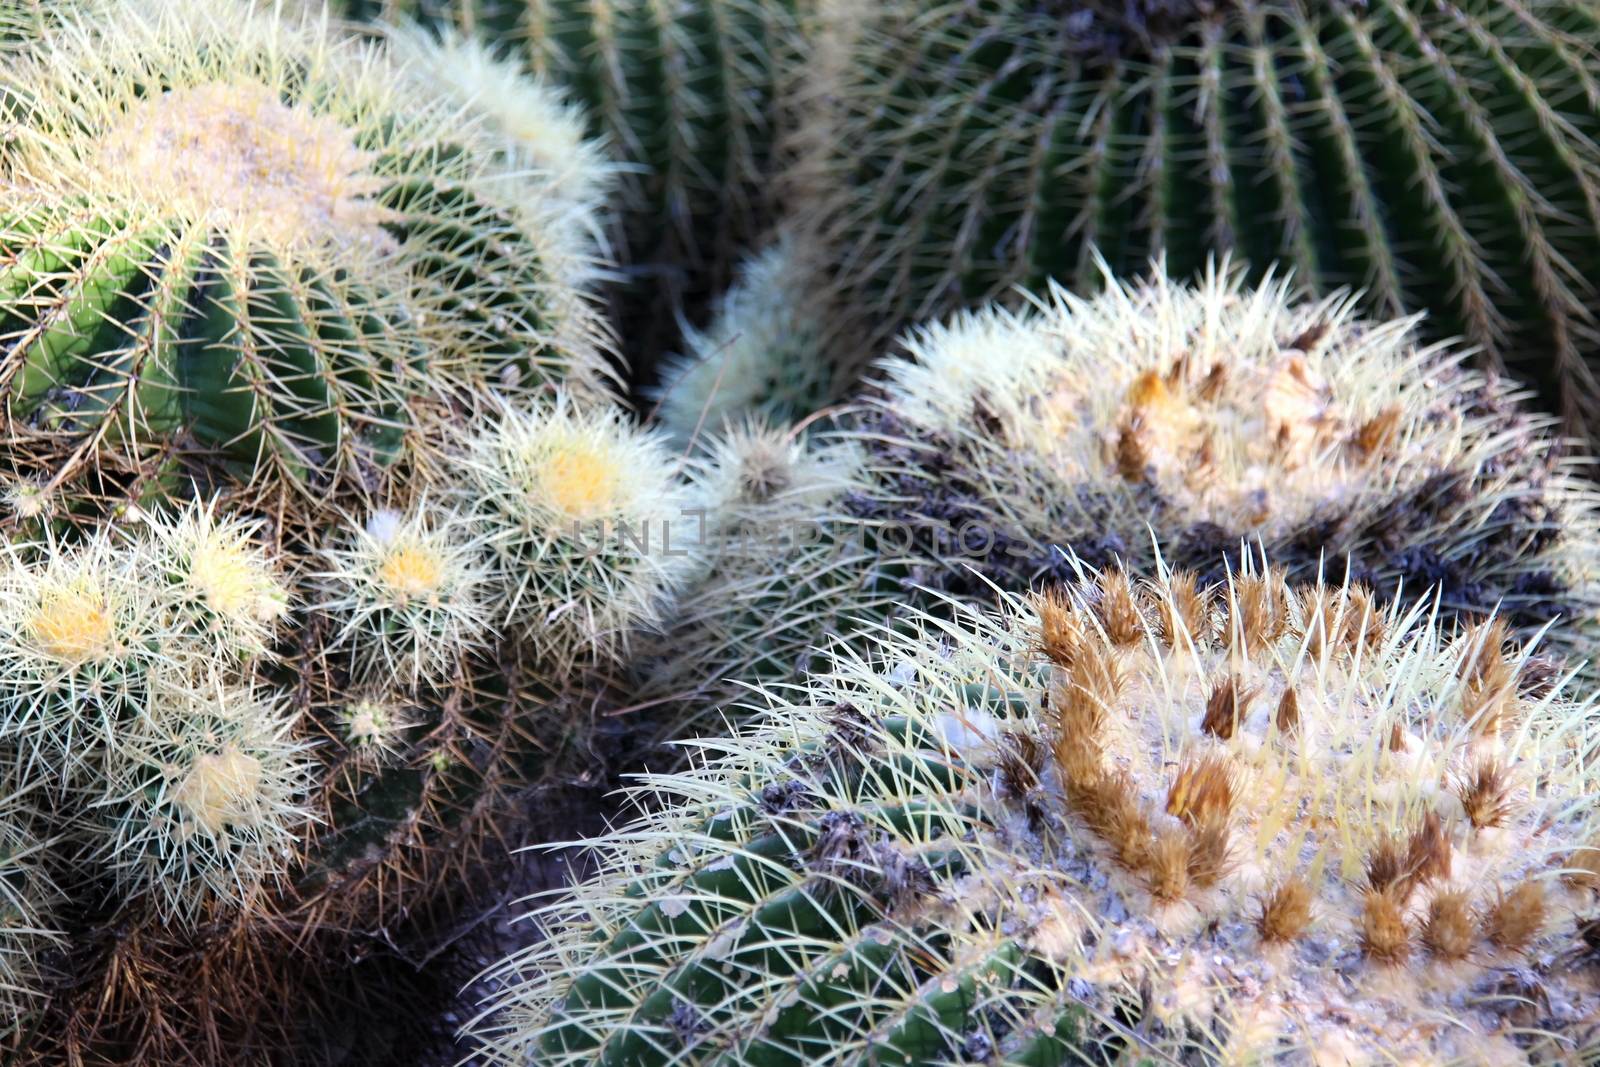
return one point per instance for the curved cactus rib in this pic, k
(1440, 156)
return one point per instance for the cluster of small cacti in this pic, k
(1118, 671)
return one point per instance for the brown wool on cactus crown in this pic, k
(1089, 843)
(1191, 411)
(1448, 930)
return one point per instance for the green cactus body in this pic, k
(691, 97)
(219, 229)
(1441, 157)
(1044, 838)
(761, 355)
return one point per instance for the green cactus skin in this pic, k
(283, 318)
(692, 97)
(1442, 157)
(903, 863)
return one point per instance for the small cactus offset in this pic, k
(786, 568)
(693, 97)
(1440, 157)
(1165, 820)
(761, 354)
(589, 529)
(224, 233)
(1219, 417)
(348, 789)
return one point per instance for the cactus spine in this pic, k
(1126, 821)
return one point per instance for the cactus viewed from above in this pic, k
(1163, 820)
(1217, 418)
(588, 526)
(222, 231)
(1442, 157)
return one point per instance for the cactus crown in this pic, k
(1242, 821)
(588, 521)
(1219, 412)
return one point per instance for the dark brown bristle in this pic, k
(1387, 868)
(1225, 708)
(1486, 649)
(1487, 697)
(1286, 911)
(1021, 759)
(1109, 805)
(1319, 607)
(1428, 851)
(1397, 738)
(1212, 385)
(1178, 373)
(1287, 717)
(1485, 795)
(1202, 791)
(1261, 604)
(1311, 338)
(1060, 631)
(1209, 854)
(1119, 610)
(1384, 937)
(1183, 608)
(1515, 918)
(1538, 675)
(1377, 433)
(1168, 866)
(1448, 930)
(1132, 457)
(1489, 681)
(1362, 622)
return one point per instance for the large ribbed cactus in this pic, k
(223, 232)
(1442, 156)
(690, 95)
(1163, 823)
(1218, 418)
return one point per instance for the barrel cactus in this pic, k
(786, 569)
(1163, 820)
(589, 527)
(1438, 156)
(1224, 418)
(762, 353)
(223, 232)
(692, 97)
